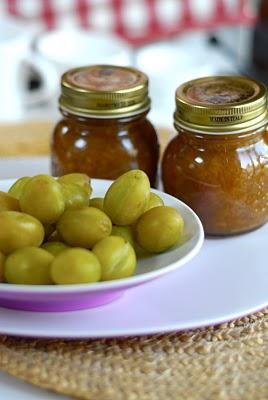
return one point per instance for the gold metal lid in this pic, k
(221, 104)
(104, 91)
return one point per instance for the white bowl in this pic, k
(82, 296)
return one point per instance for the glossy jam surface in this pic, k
(223, 178)
(105, 148)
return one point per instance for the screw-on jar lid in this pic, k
(104, 91)
(221, 104)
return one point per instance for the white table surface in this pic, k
(22, 166)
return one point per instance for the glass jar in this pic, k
(218, 162)
(104, 131)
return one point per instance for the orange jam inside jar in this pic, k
(104, 131)
(218, 162)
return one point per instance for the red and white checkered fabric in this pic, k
(137, 21)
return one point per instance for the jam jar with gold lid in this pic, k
(218, 162)
(104, 131)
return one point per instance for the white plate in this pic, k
(74, 297)
(228, 279)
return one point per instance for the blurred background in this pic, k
(171, 40)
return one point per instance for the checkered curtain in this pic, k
(137, 21)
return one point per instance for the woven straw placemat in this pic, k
(32, 138)
(29, 138)
(229, 361)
